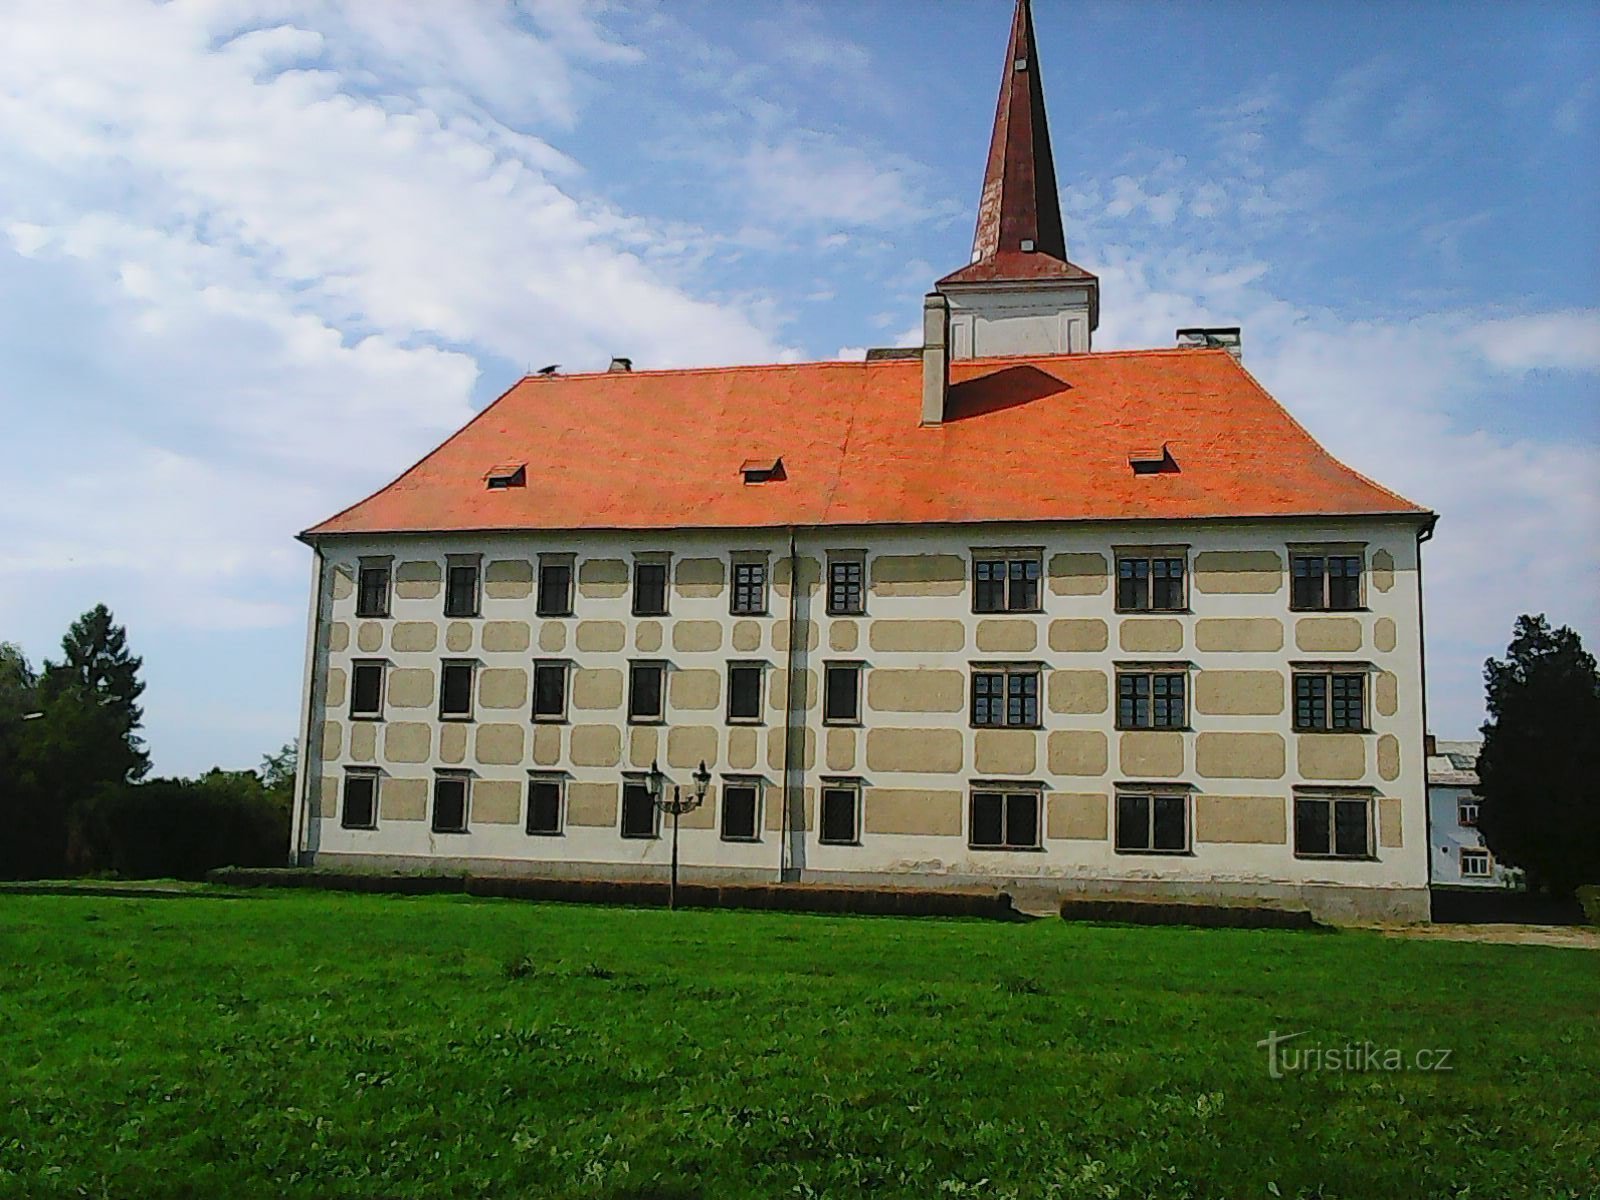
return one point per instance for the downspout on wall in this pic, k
(308, 761)
(1425, 534)
(793, 734)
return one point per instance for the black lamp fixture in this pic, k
(680, 803)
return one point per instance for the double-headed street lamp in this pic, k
(677, 806)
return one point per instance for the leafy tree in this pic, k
(277, 770)
(92, 697)
(35, 836)
(1540, 765)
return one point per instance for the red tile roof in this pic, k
(1027, 439)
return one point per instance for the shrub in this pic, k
(1589, 897)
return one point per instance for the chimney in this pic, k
(1213, 337)
(620, 365)
(935, 357)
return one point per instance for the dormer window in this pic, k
(1152, 460)
(762, 470)
(507, 475)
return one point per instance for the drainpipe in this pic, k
(307, 773)
(1425, 534)
(792, 746)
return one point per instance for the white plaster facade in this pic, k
(997, 319)
(1452, 804)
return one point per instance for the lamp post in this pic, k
(677, 806)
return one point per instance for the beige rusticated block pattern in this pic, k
(1149, 636)
(1007, 637)
(417, 580)
(553, 637)
(805, 694)
(1239, 635)
(694, 691)
(403, 800)
(843, 636)
(601, 637)
(1383, 570)
(690, 745)
(911, 811)
(1390, 833)
(1239, 693)
(458, 637)
(1076, 815)
(841, 750)
(496, 802)
(925, 690)
(808, 635)
(1077, 752)
(1246, 820)
(746, 636)
(1331, 755)
(644, 745)
(810, 571)
(647, 636)
(1005, 752)
(499, 745)
(1079, 692)
(344, 584)
(507, 637)
(546, 745)
(917, 637)
(414, 637)
(1238, 572)
(1321, 635)
(508, 579)
(1239, 755)
(744, 748)
(699, 577)
(927, 751)
(407, 742)
(602, 578)
(369, 637)
(694, 637)
(1386, 693)
(364, 743)
(805, 744)
(503, 687)
(334, 694)
(1383, 634)
(332, 739)
(410, 687)
(918, 575)
(453, 742)
(599, 688)
(805, 807)
(1389, 757)
(1151, 754)
(327, 799)
(1079, 574)
(593, 804)
(595, 745)
(704, 817)
(339, 637)
(1079, 635)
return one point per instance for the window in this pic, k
(1004, 820)
(846, 587)
(450, 802)
(1332, 827)
(544, 806)
(645, 692)
(1152, 700)
(550, 691)
(1467, 814)
(639, 812)
(744, 691)
(1475, 864)
(455, 690)
(841, 693)
(750, 588)
(372, 589)
(1330, 701)
(1007, 583)
(506, 475)
(360, 809)
(366, 688)
(555, 586)
(1005, 696)
(1150, 583)
(461, 588)
(1152, 823)
(1326, 582)
(650, 589)
(740, 804)
(841, 813)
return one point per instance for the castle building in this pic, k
(1002, 609)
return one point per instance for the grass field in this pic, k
(323, 1045)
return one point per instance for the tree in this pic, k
(277, 770)
(1540, 764)
(34, 839)
(96, 688)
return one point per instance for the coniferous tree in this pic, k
(92, 698)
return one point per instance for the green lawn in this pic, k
(318, 1045)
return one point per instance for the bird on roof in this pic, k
(550, 370)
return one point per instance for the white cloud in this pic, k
(1559, 341)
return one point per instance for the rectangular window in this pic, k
(461, 588)
(744, 691)
(846, 587)
(749, 588)
(1332, 827)
(372, 589)
(646, 693)
(841, 693)
(1475, 864)
(366, 689)
(649, 589)
(360, 808)
(550, 691)
(544, 806)
(841, 813)
(450, 803)
(740, 805)
(455, 690)
(1152, 823)
(1327, 701)
(1005, 696)
(1004, 820)
(555, 586)
(639, 811)
(1151, 583)
(1152, 700)
(1008, 583)
(1467, 814)
(1325, 582)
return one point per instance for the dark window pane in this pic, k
(1310, 701)
(1166, 583)
(1168, 710)
(650, 589)
(1346, 710)
(555, 589)
(988, 819)
(544, 807)
(750, 587)
(1306, 584)
(644, 691)
(638, 812)
(1133, 701)
(461, 591)
(372, 597)
(1311, 832)
(739, 813)
(360, 802)
(1344, 582)
(1024, 585)
(744, 693)
(1022, 699)
(449, 804)
(1171, 823)
(1022, 820)
(1133, 822)
(845, 591)
(988, 698)
(989, 588)
(841, 695)
(366, 689)
(1133, 583)
(549, 690)
(1350, 828)
(839, 815)
(455, 690)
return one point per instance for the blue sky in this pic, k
(256, 256)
